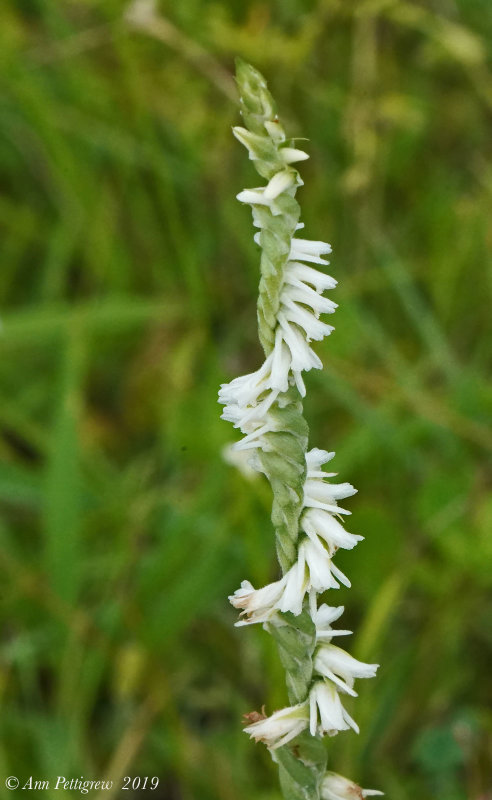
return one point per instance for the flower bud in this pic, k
(336, 787)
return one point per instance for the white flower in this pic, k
(323, 617)
(320, 502)
(298, 323)
(296, 289)
(295, 273)
(283, 361)
(315, 458)
(323, 573)
(293, 313)
(308, 250)
(296, 586)
(258, 605)
(275, 130)
(256, 197)
(255, 438)
(327, 714)
(290, 155)
(313, 572)
(319, 524)
(281, 364)
(247, 400)
(281, 181)
(302, 357)
(246, 390)
(280, 727)
(320, 566)
(247, 464)
(320, 494)
(284, 181)
(338, 666)
(336, 787)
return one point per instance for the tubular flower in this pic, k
(341, 668)
(327, 715)
(266, 407)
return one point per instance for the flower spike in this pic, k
(266, 407)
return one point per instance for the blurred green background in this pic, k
(127, 293)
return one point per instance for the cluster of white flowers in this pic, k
(247, 401)
(334, 674)
(252, 402)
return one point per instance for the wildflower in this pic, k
(244, 461)
(290, 155)
(338, 666)
(280, 727)
(324, 574)
(323, 617)
(258, 605)
(327, 714)
(336, 787)
(267, 410)
(307, 250)
(319, 524)
(315, 458)
(241, 397)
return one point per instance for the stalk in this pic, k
(267, 407)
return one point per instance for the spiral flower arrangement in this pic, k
(266, 406)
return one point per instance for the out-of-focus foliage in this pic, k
(127, 292)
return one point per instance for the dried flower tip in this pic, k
(255, 716)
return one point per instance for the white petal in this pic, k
(328, 707)
(343, 664)
(290, 155)
(301, 272)
(319, 564)
(301, 293)
(315, 458)
(312, 247)
(328, 492)
(279, 183)
(319, 523)
(313, 327)
(281, 362)
(303, 358)
(275, 130)
(257, 605)
(307, 250)
(295, 587)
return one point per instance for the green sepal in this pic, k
(261, 149)
(302, 766)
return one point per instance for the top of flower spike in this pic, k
(263, 136)
(257, 104)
